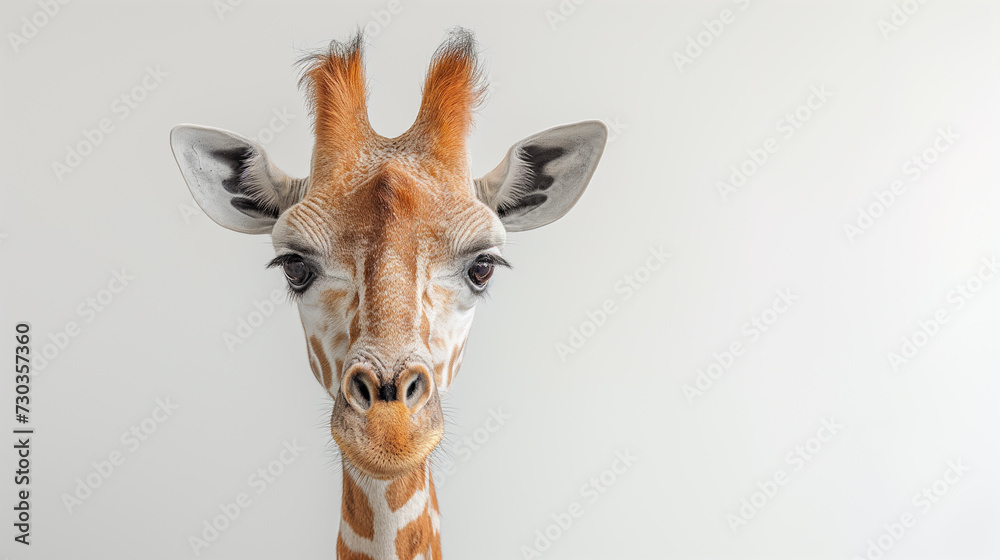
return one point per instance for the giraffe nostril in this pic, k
(416, 390)
(362, 390)
(357, 389)
(412, 388)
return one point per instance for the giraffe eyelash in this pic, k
(495, 260)
(282, 259)
(293, 295)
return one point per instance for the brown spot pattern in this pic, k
(438, 373)
(436, 539)
(415, 538)
(339, 339)
(332, 300)
(315, 370)
(356, 510)
(344, 553)
(312, 364)
(324, 364)
(355, 327)
(434, 497)
(456, 361)
(425, 329)
(403, 488)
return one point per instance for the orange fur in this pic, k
(403, 488)
(392, 446)
(453, 90)
(386, 195)
(324, 363)
(356, 510)
(344, 553)
(335, 84)
(415, 538)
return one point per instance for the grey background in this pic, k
(676, 134)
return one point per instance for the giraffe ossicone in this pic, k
(387, 246)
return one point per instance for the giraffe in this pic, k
(387, 246)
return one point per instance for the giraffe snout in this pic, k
(363, 389)
(387, 423)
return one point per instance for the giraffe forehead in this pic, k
(400, 213)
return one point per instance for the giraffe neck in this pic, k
(389, 519)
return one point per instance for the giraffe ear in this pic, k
(543, 175)
(232, 179)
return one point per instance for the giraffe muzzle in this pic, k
(387, 425)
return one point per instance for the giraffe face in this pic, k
(389, 243)
(386, 269)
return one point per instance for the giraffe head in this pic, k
(389, 243)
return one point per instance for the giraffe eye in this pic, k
(297, 273)
(481, 271)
